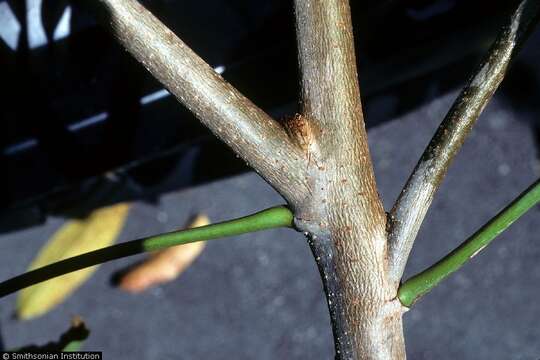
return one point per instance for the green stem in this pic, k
(274, 217)
(422, 283)
(72, 346)
(73, 339)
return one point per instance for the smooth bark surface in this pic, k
(250, 132)
(411, 207)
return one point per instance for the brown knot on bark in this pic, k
(299, 130)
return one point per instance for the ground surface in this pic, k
(259, 296)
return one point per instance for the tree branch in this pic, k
(251, 133)
(344, 220)
(410, 208)
(422, 283)
(329, 80)
(275, 217)
(332, 123)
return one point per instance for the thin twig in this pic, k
(421, 284)
(249, 131)
(410, 208)
(267, 219)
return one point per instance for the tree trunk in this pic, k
(352, 259)
(320, 162)
(343, 215)
(366, 319)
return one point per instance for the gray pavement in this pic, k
(258, 296)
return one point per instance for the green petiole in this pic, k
(275, 217)
(422, 283)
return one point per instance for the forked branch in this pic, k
(410, 209)
(250, 132)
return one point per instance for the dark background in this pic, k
(258, 295)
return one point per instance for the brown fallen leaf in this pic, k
(164, 265)
(99, 229)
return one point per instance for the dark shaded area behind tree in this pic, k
(411, 49)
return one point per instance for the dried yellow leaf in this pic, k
(165, 265)
(99, 229)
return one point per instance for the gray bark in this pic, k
(320, 162)
(344, 217)
(411, 206)
(250, 132)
